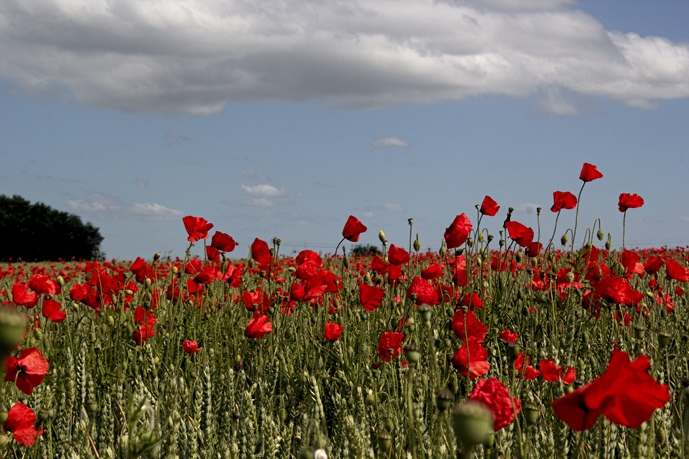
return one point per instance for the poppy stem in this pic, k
(576, 215)
(580, 444)
(624, 227)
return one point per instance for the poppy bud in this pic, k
(481, 237)
(4, 439)
(92, 406)
(531, 413)
(3, 417)
(60, 281)
(472, 422)
(470, 243)
(443, 251)
(444, 398)
(384, 440)
(564, 239)
(156, 256)
(600, 235)
(381, 236)
(44, 414)
(639, 330)
(417, 243)
(608, 243)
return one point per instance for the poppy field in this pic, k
(508, 345)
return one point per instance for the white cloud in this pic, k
(528, 207)
(684, 218)
(263, 195)
(111, 205)
(153, 211)
(264, 191)
(393, 207)
(195, 56)
(369, 214)
(389, 142)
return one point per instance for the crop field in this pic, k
(510, 345)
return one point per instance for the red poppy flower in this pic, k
(589, 172)
(22, 296)
(550, 371)
(563, 200)
(493, 394)
(370, 296)
(389, 345)
(676, 271)
(353, 229)
(397, 255)
(223, 242)
(41, 283)
(143, 334)
(421, 291)
(196, 227)
(625, 393)
(146, 321)
(470, 359)
(489, 207)
(21, 422)
(519, 233)
(524, 368)
(509, 336)
(258, 301)
(333, 331)
(233, 274)
(653, 264)
(141, 270)
(629, 201)
(258, 327)
(616, 290)
(51, 310)
(472, 300)
(260, 252)
(569, 376)
(458, 232)
(432, 271)
(28, 370)
(190, 347)
(474, 327)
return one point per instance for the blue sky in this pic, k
(281, 121)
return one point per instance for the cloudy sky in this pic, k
(282, 118)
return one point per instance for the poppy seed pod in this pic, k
(412, 353)
(531, 413)
(384, 440)
(472, 422)
(664, 338)
(444, 398)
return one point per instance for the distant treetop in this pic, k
(36, 232)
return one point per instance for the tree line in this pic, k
(37, 232)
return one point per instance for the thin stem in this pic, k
(576, 215)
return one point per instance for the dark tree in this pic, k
(362, 250)
(36, 232)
